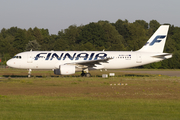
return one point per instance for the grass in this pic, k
(52, 98)
(57, 107)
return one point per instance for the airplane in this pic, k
(69, 62)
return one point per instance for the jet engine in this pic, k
(65, 70)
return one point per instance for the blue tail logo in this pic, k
(157, 39)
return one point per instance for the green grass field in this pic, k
(138, 97)
(57, 107)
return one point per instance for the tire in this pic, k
(88, 75)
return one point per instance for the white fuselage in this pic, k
(52, 59)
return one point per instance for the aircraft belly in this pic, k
(119, 64)
(113, 64)
(44, 65)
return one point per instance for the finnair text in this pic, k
(75, 56)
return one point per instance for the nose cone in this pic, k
(9, 63)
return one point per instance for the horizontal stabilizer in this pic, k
(163, 56)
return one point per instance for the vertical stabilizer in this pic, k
(157, 41)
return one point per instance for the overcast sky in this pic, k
(60, 14)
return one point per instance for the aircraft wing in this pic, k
(90, 63)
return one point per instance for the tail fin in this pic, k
(157, 41)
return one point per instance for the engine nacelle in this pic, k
(65, 70)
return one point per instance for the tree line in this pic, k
(95, 36)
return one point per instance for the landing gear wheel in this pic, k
(83, 74)
(88, 75)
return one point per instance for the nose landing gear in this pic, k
(29, 73)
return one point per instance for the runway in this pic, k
(157, 72)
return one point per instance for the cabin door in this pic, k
(29, 58)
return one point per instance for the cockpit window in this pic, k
(17, 57)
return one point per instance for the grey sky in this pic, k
(60, 14)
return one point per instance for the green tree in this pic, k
(32, 45)
(92, 33)
(153, 26)
(3, 33)
(175, 35)
(174, 62)
(12, 31)
(70, 35)
(114, 41)
(44, 32)
(38, 36)
(155, 65)
(122, 28)
(87, 47)
(20, 41)
(61, 45)
(143, 23)
(137, 36)
(30, 34)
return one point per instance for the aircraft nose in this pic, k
(9, 63)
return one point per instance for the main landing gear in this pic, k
(85, 73)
